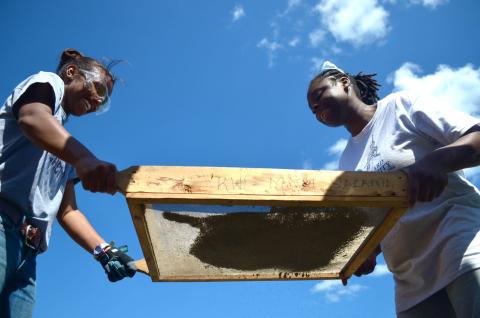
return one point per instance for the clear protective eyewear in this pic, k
(96, 82)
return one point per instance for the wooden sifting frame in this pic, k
(144, 185)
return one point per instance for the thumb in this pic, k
(131, 268)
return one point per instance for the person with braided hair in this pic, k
(434, 249)
(39, 163)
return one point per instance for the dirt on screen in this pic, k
(286, 238)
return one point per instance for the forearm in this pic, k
(80, 230)
(463, 153)
(42, 129)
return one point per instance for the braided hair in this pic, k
(364, 85)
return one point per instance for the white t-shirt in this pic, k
(32, 181)
(434, 242)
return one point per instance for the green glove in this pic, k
(116, 263)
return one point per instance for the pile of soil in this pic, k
(286, 238)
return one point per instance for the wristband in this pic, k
(100, 249)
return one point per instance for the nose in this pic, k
(95, 102)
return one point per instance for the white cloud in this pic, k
(292, 4)
(335, 50)
(334, 291)
(316, 37)
(336, 151)
(272, 47)
(380, 270)
(432, 4)
(456, 87)
(338, 147)
(357, 22)
(326, 285)
(331, 165)
(294, 42)
(307, 164)
(316, 64)
(460, 88)
(238, 13)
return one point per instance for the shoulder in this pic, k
(47, 77)
(52, 79)
(403, 102)
(42, 77)
(404, 98)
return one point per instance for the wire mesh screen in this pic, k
(211, 242)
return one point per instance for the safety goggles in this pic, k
(95, 82)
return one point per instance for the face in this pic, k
(327, 99)
(87, 91)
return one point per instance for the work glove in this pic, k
(116, 263)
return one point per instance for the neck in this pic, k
(360, 117)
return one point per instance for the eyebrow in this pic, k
(316, 92)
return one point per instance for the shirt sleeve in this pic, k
(439, 121)
(31, 89)
(36, 93)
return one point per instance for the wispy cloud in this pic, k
(237, 13)
(294, 42)
(338, 147)
(334, 291)
(307, 164)
(292, 4)
(331, 27)
(272, 47)
(357, 22)
(336, 151)
(316, 64)
(316, 37)
(380, 270)
(432, 4)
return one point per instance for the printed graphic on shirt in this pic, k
(375, 161)
(52, 176)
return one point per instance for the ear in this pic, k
(345, 81)
(71, 71)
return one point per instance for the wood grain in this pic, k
(269, 186)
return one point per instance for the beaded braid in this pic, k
(364, 85)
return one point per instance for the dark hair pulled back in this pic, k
(72, 56)
(364, 85)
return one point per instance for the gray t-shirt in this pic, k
(434, 242)
(32, 181)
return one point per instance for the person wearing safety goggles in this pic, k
(39, 161)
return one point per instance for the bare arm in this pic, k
(41, 128)
(428, 176)
(38, 125)
(75, 223)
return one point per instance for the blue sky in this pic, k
(222, 83)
